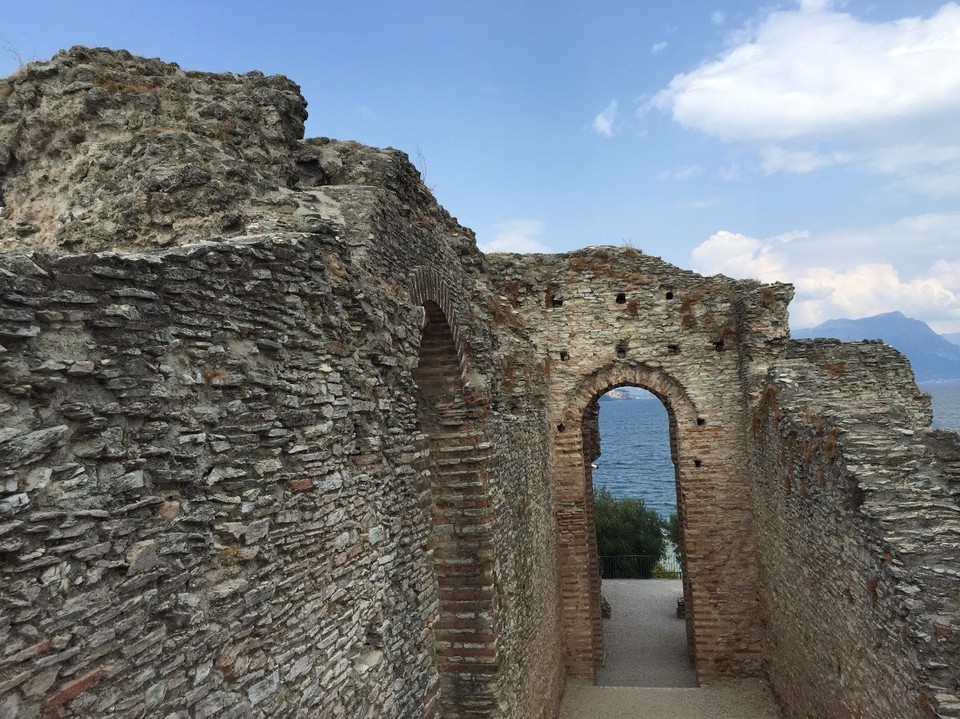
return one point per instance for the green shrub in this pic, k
(659, 572)
(626, 527)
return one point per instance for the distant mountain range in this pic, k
(625, 393)
(932, 356)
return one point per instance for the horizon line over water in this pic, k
(634, 456)
(635, 444)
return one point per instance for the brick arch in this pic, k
(573, 496)
(457, 463)
(427, 286)
(669, 390)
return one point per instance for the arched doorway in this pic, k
(455, 461)
(575, 443)
(631, 462)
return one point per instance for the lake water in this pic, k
(635, 445)
(946, 403)
(635, 453)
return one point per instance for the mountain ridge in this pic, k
(932, 356)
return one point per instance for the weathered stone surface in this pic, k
(142, 556)
(855, 515)
(31, 446)
(291, 446)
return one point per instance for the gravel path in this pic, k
(646, 644)
(730, 699)
(648, 674)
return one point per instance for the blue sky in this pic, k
(809, 141)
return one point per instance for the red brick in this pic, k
(73, 689)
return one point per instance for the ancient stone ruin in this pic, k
(276, 439)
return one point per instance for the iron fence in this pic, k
(639, 566)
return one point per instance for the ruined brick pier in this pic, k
(277, 440)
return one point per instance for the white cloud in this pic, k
(814, 86)
(729, 173)
(910, 156)
(603, 123)
(871, 288)
(943, 184)
(810, 71)
(683, 173)
(717, 17)
(919, 167)
(516, 236)
(659, 47)
(778, 159)
(738, 255)
(815, 5)
(912, 265)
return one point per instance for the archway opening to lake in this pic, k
(630, 458)
(721, 614)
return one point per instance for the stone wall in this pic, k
(203, 469)
(212, 501)
(217, 491)
(858, 525)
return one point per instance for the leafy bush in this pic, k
(626, 527)
(661, 572)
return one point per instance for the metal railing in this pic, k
(639, 566)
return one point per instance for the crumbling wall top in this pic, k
(103, 150)
(100, 149)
